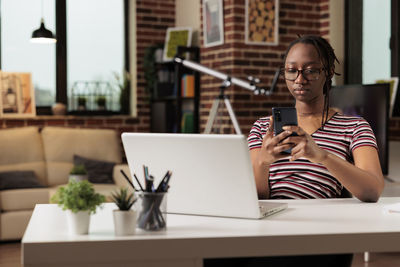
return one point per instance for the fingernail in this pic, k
(288, 132)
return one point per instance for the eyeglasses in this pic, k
(291, 74)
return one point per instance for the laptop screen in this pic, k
(211, 174)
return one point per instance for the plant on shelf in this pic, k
(150, 69)
(80, 200)
(82, 103)
(78, 173)
(101, 102)
(124, 216)
(124, 86)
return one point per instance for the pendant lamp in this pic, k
(42, 35)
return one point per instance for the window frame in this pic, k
(61, 53)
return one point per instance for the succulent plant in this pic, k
(123, 199)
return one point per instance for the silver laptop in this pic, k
(211, 174)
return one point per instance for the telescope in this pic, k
(226, 82)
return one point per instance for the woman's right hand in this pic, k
(271, 147)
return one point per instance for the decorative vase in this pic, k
(78, 177)
(59, 109)
(124, 222)
(79, 222)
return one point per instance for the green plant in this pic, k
(78, 170)
(123, 199)
(101, 101)
(78, 196)
(124, 86)
(149, 68)
(81, 101)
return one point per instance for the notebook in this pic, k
(211, 174)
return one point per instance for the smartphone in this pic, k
(284, 116)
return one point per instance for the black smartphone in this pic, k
(284, 116)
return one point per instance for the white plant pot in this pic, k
(78, 177)
(124, 222)
(79, 222)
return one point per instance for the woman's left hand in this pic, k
(304, 146)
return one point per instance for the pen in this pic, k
(159, 187)
(137, 180)
(149, 184)
(129, 181)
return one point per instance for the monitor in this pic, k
(370, 101)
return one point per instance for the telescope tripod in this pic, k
(216, 105)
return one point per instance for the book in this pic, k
(187, 123)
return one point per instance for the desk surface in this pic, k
(306, 227)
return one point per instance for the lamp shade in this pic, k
(42, 35)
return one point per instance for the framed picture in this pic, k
(179, 36)
(262, 22)
(213, 22)
(394, 84)
(17, 95)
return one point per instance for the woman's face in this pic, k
(305, 57)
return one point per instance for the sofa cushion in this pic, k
(22, 149)
(18, 179)
(61, 144)
(23, 199)
(99, 172)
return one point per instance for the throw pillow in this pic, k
(18, 180)
(99, 172)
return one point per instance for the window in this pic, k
(18, 54)
(95, 49)
(376, 38)
(93, 32)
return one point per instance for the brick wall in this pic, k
(234, 57)
(240, 60)
(153, 18)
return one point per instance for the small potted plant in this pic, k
(78, 173)
(101, 102)
(80, 201)
(81, 103)
(124, 216)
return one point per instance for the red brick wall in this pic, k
(233, 57)
(240, 60)
(153, 18)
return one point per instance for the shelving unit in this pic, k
(172, 111)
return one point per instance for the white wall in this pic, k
(336, 36)
(188, 15)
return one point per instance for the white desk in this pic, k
(306, 227)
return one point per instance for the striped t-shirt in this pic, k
(301, 178)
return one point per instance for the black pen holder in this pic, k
(152, 211)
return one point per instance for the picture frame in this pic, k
(213, 22)
(394, 84)
(17, 97)
(176, 36)
(262, 22)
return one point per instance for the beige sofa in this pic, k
(49, 153)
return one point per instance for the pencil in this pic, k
(129, 181)
(137, 180)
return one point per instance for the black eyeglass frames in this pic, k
(292, 74)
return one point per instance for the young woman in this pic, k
(331, 150)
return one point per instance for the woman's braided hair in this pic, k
(328, 58)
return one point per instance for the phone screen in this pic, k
(284, 116)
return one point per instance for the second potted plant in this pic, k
(80, 200)
(125, 216)
(78, 173)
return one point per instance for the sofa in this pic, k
(49, 153)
